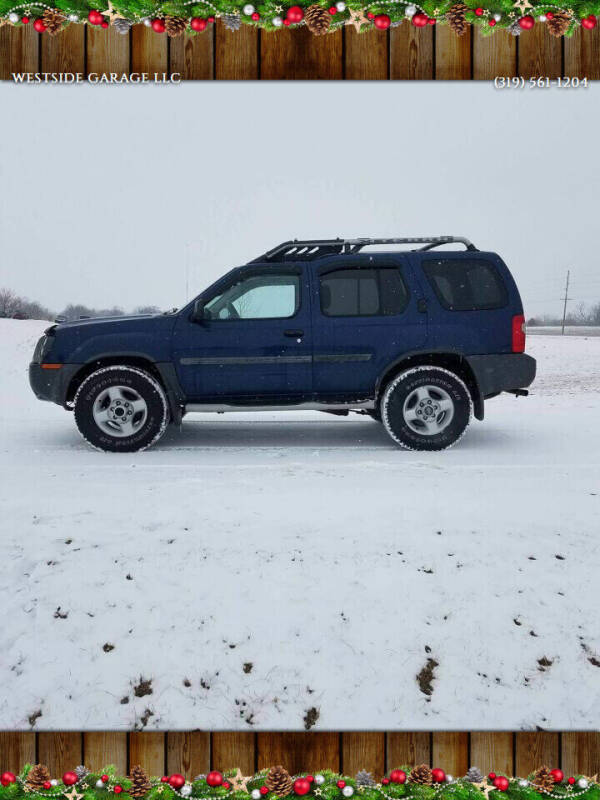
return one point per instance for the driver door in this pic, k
(254, 341)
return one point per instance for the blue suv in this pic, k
(416, 338)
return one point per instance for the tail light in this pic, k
(518, 334)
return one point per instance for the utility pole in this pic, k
(565, 305)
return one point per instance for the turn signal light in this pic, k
(51, 366)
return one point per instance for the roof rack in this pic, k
(310, 249)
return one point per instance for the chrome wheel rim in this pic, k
(120, 411)
(428, 410)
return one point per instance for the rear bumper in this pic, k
(502, 373)
(51, 384)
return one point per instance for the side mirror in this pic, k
(198, 312)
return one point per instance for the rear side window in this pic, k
(363, 292)
(466, 284)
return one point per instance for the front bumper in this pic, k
(51, 384)
(502, 373)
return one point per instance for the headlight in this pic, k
(42, 347)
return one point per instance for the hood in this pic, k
(126, 318)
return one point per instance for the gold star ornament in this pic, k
(73, 794)
(485, 788)
(238, 782)
(357, 18)
(111, 13)
(523, 5)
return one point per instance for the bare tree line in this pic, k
(16, 307)
(582, 315)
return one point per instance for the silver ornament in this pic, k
(73, 17)
(497, 17)
(542, 18)
(14, 18)
(523, 783)
(583, 783)
(348, 791)
(122, 26)
(185, 790)
(100, 784)
(410, 11)
(277, 21)
(319, 780)
(233, 22)
(248, 9)
(340, 5)
(256, 794)
(54, 782)
(449, 778)
(147, 22)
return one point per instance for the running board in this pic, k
(222, 409)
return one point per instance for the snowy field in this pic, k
(261, 571)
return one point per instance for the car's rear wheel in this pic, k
(121, 409)
(426, 408)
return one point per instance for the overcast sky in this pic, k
(112, 195)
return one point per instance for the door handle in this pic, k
(294, 334)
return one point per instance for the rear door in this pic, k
(255, 343)
(365, 316)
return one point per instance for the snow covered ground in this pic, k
(263, 570)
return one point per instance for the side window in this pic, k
(363, 292)
(466, 284)
(268, 296)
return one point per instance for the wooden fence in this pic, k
(195, 752)
(401, 53)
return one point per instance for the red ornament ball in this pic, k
(226, 785)
(39, 26)
(558, 775)
(491, 23)
(332, 10)
(7, 777)
(479, 11)
(438, 775)
(370, 15)
(214, 778)
(419, 20)
(491, 775)
(501, 783)
(286, 22)
(158, 25)
(431, 21)
(382, 21)
(25, 20)
(589, 23)
(309, 778)
(398, 776)
(176, 781)
(46, 784)
(256, 16)
(104, 778)
(549, 15)
(295, 14)
(301, 786)
(165, 779)
(69, 778)
(264, 790)
(104, 24)
(341, 784)
(527, 22)
(571, 781)
(118, 789)
(385, 781)
(95, 18)
(211, 19)
(198, 24)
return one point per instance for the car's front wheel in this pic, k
(426, 408)
(121, 409)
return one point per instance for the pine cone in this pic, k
(474, 775)
(456, 18)
(232, 22)
(279, 781)
(421, 774)
(559, 24)
(175, 26)
(140, 785)
(37, 776)
(542, 778)
(317, 19)
(53, 20)
(514, 28)
(364, 778)
(82, 771)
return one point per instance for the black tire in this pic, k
(131, 383)
(440, 426)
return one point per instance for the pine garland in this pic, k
(197, 15)
(35, 782)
